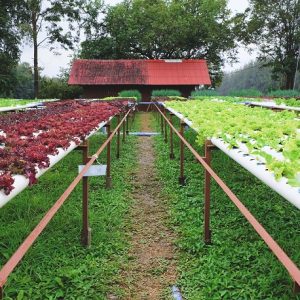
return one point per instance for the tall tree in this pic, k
(274, 27)
(9, 44)
(163, 29)
(54, 21)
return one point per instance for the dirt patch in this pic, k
(152, 270)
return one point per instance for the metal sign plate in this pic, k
(94, 170)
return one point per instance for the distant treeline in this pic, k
(252, 76)
(50, 87)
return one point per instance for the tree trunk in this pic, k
(35, 56)
(289, 82)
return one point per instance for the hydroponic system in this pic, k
(36, 136)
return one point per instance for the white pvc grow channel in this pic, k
(21, 182)
(25, 106)
(271, 104)
(251, 164)
(12, 108)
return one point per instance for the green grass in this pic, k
(58, 266)
(238, 265)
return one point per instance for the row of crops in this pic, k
(282, 102)
(272, 138)
(28, 139)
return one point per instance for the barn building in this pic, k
(103, 78)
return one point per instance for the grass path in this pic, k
(151, 270)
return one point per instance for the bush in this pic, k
(204, 93)
(245, 93)
(131, 93)
(284, 93)
(58, 88)
(165, 93)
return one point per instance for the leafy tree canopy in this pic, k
(274, 27)
(57, 22)
(9, 44)
(163, 29)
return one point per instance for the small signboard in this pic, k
(94, 170)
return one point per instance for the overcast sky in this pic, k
(52, 62)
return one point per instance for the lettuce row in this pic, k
(262, 131)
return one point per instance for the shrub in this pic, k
(131, 93)
(284, 93)
(245, 93)
(204, 93)
(165, 93)
(57, 88)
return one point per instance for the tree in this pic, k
(60, 22)
(57, 87)
(23, 88)
(250, 76)
(9, 42)
(275, 29)
(163, 29)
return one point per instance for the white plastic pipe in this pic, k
(21, 182)
(12, 108)
(251, 164)
(271, 104)
(28, 105)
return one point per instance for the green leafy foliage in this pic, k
(284, 93)
(245, 93)
(58, 266)
(60, 21)
(260, 130)
(117, 98)
(251, 76)
(9, 45)
(23, 88)
(288, 102)
(131, 93)
(165, 93)
(226, 99)
(237, 265)
(275, 30)
(58, 88)
(6, 102)
(165, 30)
(204, 93)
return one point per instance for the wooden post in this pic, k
(182, 177)
(172, 156)
(165, 129)
(124, 130)
(86, 230)
(127, 125)
(108, 156)
(162, 124)
(207, 231)
(118, 137)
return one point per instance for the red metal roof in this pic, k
(139, 72)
